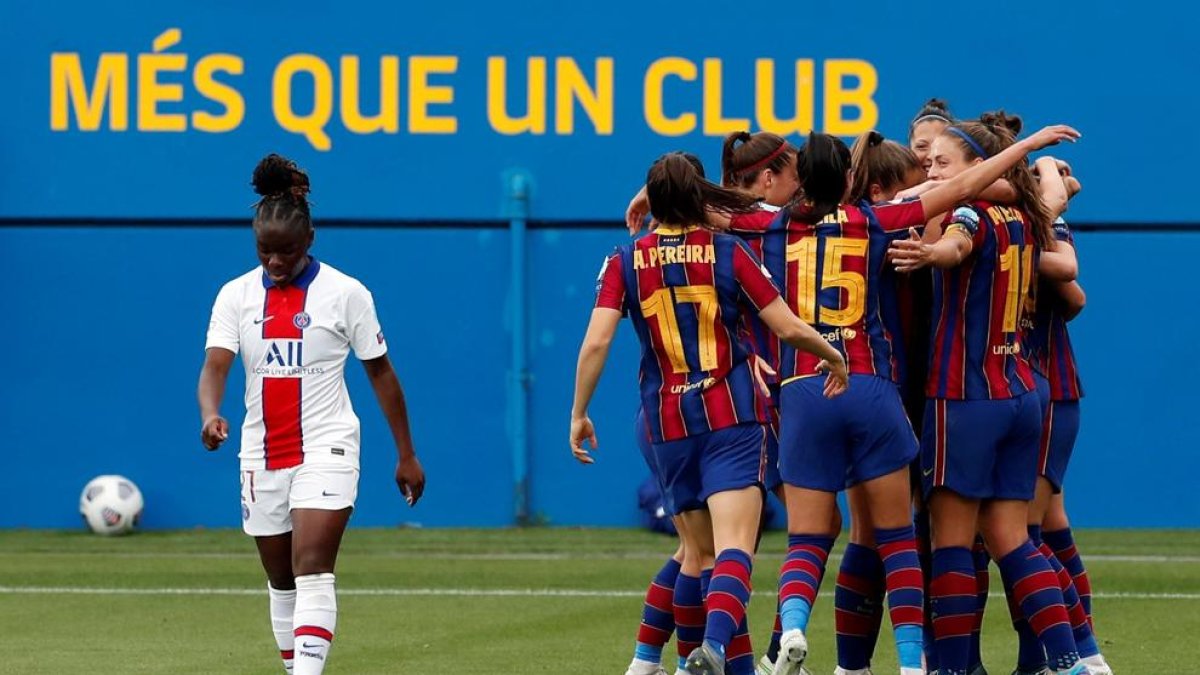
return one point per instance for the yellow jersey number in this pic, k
(661, 306)
(804, 254)
(1017, 261)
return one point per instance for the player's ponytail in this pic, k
(284, 189)
(878, 161)
(821, 166)
(745, 155)
(680, 195)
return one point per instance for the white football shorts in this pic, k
(268, 496)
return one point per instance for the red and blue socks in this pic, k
(658, 618)
(1081, 628)
(925, 552)
(315, 621)
(688, 605)
(776, 634)
(739, 657)
(1063, 545)
(952, 600)
(858, 605)
(905, 591)
(800, 578)
(983, 585)
(1035, 589)
(283, 608)
(728, 595)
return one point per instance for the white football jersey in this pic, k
(294, 342)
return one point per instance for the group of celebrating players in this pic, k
(887, 320)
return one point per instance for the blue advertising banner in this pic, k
(412, 111)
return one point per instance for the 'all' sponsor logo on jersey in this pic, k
(291, 355)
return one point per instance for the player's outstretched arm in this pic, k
(592, 355)
(968, 184)
(214, 429)
(410, 476)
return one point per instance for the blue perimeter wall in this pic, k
(117, 117)
(105, 333)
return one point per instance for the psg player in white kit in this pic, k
(294, 320)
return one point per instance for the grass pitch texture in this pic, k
(492, 601)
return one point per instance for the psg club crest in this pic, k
(302, 320)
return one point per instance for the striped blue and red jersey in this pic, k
(685, 289)
(975, 350)
(832, 272)
(1048, 343)
(765, 343)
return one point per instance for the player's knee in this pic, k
(1003, 538)
(311, 562)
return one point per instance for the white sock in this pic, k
(640, 667)
(315, 621)
(283, 606)
(1096, 660)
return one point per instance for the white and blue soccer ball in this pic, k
(111, 505)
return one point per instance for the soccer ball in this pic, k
(111, 505)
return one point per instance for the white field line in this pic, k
(640, 555)
(460, 592)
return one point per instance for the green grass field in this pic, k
(470, 601)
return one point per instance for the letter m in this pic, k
(109, 90)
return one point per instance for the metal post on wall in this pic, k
(517, 185)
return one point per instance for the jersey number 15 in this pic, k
(804, 254)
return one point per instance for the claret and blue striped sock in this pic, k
(739, 657)
(1063, 545)
(688, 606)
(952, 599)
(1081, 628)
(905, 591)
(983, 585)
(800, 578)
(1035, 589)
(728, 595)
(856, 605)
(658, 618)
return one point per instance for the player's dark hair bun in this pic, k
(937, 105)
(934, 107)
(276, 175)
(999, 120)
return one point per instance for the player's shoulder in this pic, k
(332, 278)
(239, 284)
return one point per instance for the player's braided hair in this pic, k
(284, 188)
(992, 133)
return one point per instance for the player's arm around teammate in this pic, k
(980, 381)
(683, 286)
